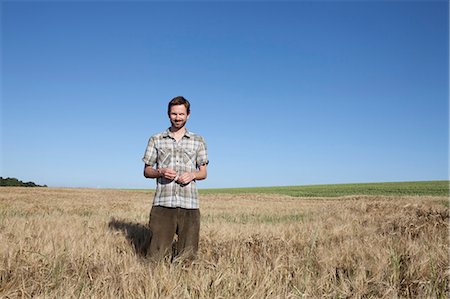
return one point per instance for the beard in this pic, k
(178, 124)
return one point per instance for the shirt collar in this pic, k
(167, 133)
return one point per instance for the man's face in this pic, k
(178, 116)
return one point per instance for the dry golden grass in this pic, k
(81, 243)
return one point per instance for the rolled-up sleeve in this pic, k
(202, 154)
(150, 154)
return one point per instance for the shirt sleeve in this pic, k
(150, 154)
(202, 154)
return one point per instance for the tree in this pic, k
(13, 182)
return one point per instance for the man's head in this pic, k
(179, 101)
(178, 111)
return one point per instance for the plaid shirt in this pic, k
(186, 155)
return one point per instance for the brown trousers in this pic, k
(165, 223)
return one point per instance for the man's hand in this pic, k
(186, 178)
(167, 173)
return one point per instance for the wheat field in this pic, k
(89, 243)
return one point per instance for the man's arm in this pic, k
(151, 173)
(188, 177)
(201, 174)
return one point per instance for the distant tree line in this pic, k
(16, 183)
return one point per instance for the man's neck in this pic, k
(178, 133)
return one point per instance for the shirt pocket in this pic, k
(164, 157)
(189, 159)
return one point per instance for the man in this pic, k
(177, 158)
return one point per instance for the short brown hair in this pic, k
(179, 100)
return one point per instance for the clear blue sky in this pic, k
(285, 93)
